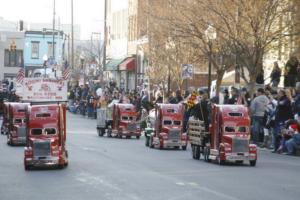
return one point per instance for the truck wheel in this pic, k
(147, 141)
(138, 137)
(253, 163)
(193, 151)
(9, 142)
(128, 137)
(101, 132)
(220, 162)
(183, 148)
(206, 154)
(27, 167)
(61, 166)
(240, 162)
(197, 152)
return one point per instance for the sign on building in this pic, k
(187, 71)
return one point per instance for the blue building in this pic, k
(39, 45)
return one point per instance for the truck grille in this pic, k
(41, 148)
(131, 127)
(174, 134)
(240, 145)
(21, 131)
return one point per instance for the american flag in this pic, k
(20, 76)
(66, 73)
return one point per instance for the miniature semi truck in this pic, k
(46, 136)
(228, 139)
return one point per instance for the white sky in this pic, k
(88, 14)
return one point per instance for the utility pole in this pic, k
(72, 35)
(105, 35)
(53, 34)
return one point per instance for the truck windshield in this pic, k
(50, 131)
(18, 121)
(127, 118)
(167, 122)
(36, 131)
(177, 123)
(239, 129)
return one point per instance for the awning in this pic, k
(113, 65)
(128, 64)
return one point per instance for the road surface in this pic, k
(124, 169)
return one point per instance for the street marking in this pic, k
(207, 190)
(193, 184)
(89, 179)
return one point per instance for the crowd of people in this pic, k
(86, 99)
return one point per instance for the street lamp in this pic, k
(211, 35)
(45, 58)
(169, 45)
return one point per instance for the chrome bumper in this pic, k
(39, 161)
(240, 157)
(19, 140)
(174, 143)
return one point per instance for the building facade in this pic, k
(121, 65)
(39, 47)
(11, 53)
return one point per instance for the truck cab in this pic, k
(17, 124)
(124, 121)
(46, 136)
(167, 121)
(230, 136)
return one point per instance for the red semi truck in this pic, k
(228, 139)
(46, 136)
(167, 123)
(17, 124)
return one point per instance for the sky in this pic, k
(88, 14)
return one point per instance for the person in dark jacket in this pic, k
(226, 96)
(234, 96)
(296, 107)
(282, 114)
(275, 75)
(260, 78)
(201, 110)
(172, 98)
(179, 98)
(159, 98)
(290, 72)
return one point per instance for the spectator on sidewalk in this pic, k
(275, 75)
(294, 142)
(283, 113)
(258, 108)
(270, 121)
(296, 106)
(290, 72)
(260, 77)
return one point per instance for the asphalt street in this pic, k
(124, 169)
